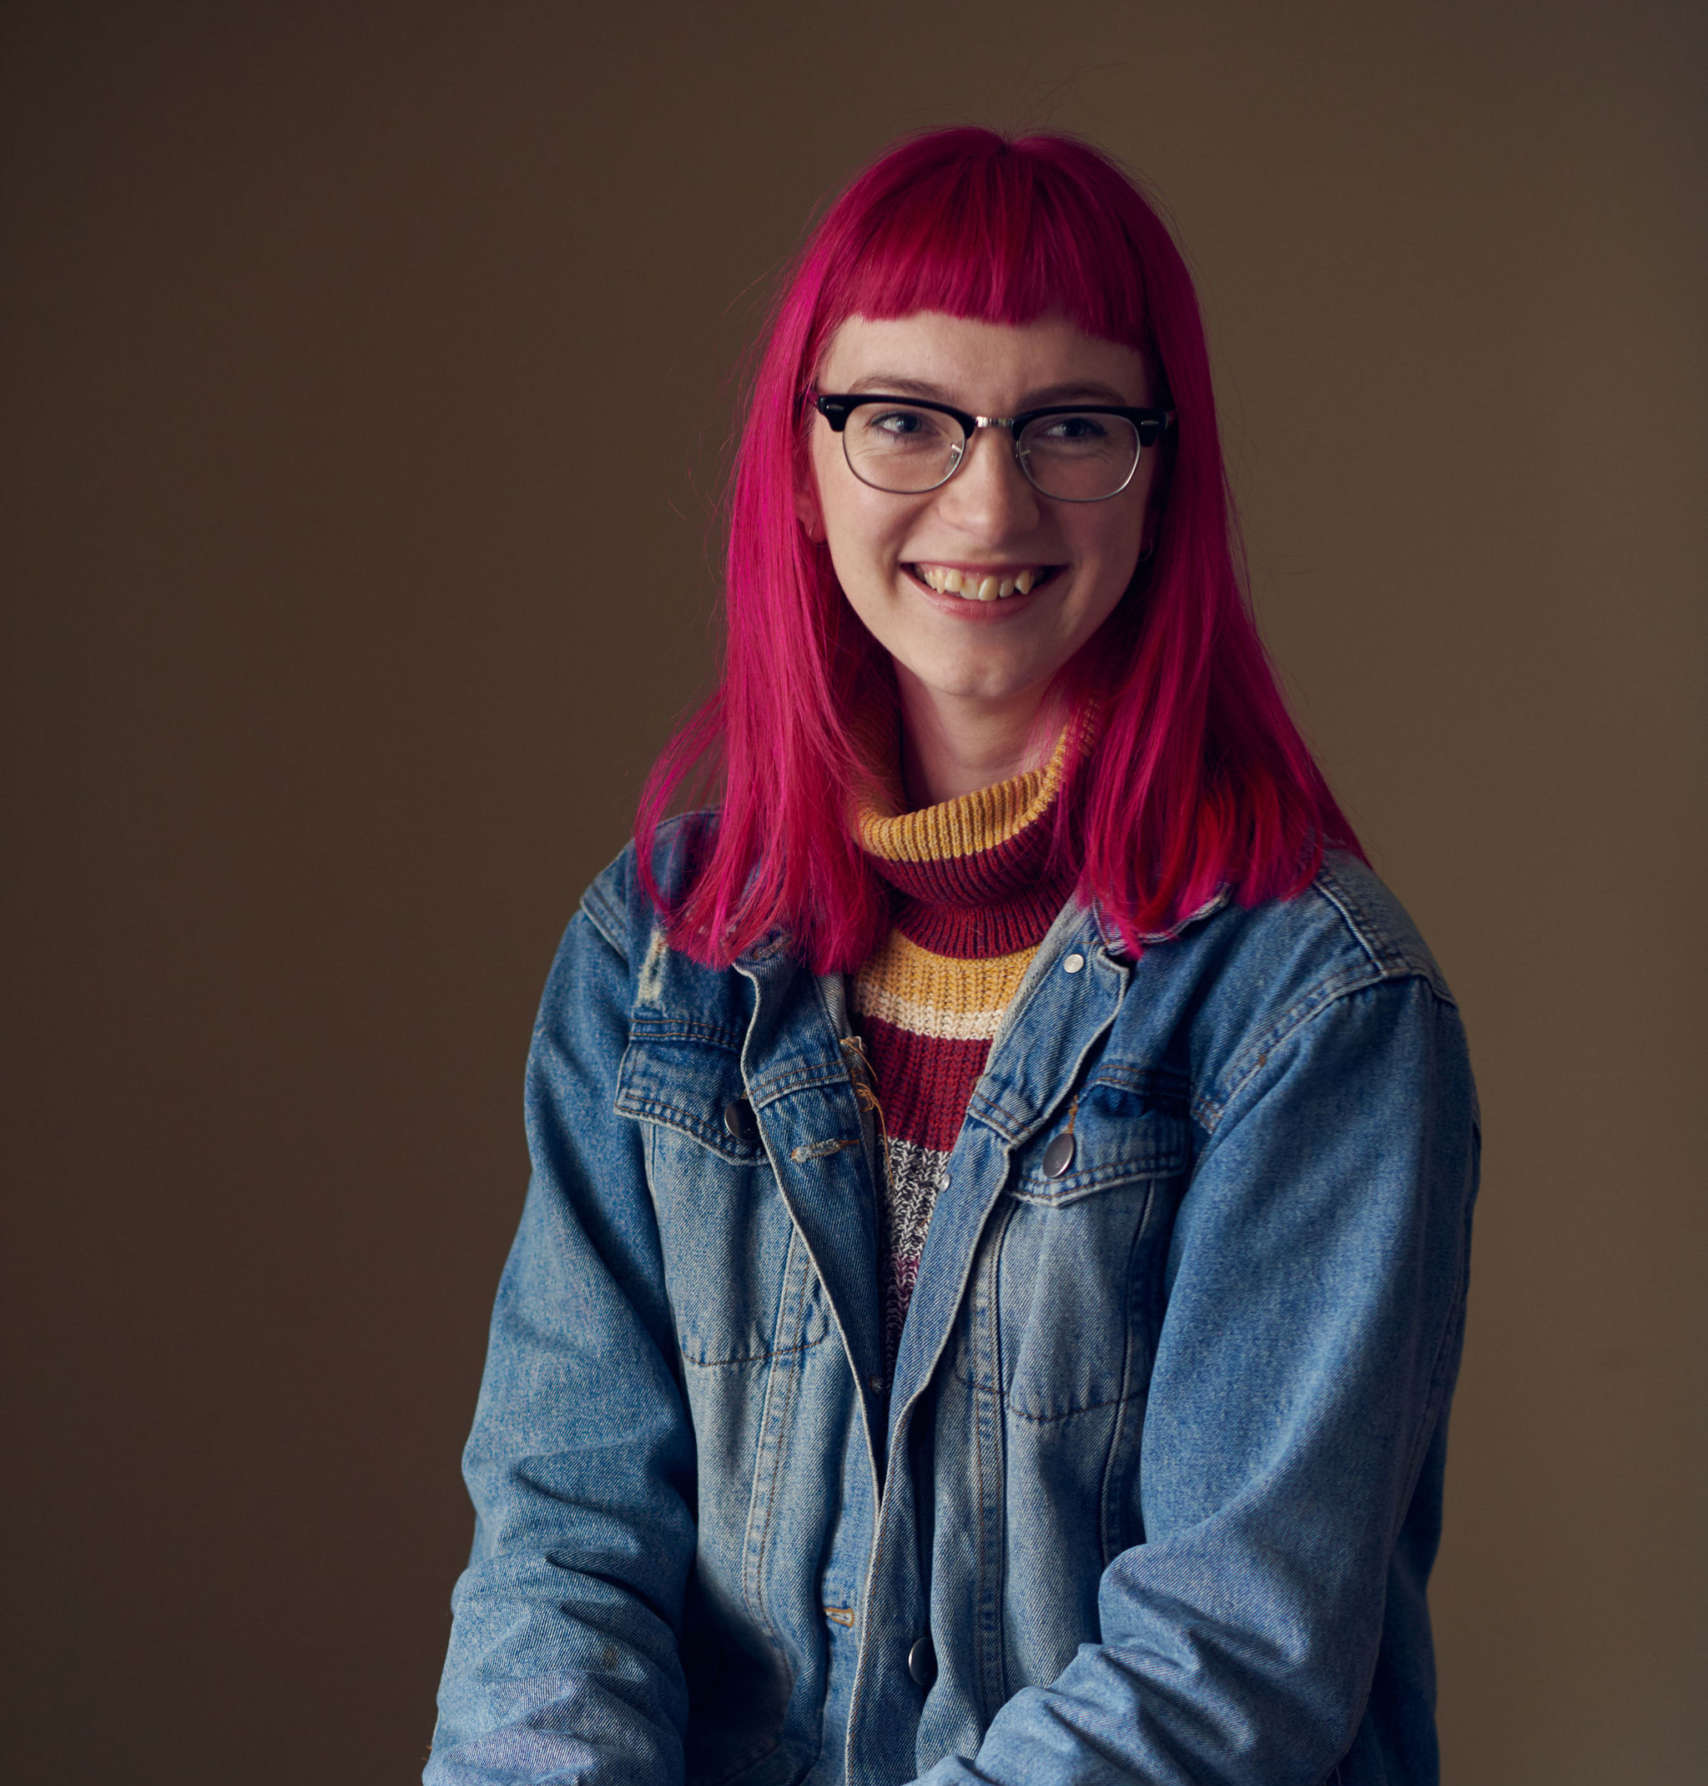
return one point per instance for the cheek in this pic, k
(1115, 547)
(1123, 539)
(861, 529)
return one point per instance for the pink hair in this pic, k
(1195, 777)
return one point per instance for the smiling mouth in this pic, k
(979, 586)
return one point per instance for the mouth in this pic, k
(974, 585)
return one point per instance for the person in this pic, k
(993, 1273)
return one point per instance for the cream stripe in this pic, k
(926, 1020)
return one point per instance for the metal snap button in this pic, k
(1071, 964)
(922, 1663)
(1058, 1156)
(738, 1120)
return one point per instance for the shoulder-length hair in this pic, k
(1194, 779)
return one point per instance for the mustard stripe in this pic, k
(977, 821)
(901, 969)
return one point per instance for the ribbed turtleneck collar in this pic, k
(969, 874)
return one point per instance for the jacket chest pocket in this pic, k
(1068, 1287)
(740, 1290)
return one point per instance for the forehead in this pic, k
(989, 367)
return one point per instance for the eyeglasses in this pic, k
(1072, 453)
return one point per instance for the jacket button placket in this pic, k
(738, 1121)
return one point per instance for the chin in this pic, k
(983, 689)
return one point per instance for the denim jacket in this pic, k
(1156, 1488)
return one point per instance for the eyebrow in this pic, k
(1072, 391)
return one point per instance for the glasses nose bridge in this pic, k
(987, 423)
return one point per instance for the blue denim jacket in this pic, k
(1155, 1492)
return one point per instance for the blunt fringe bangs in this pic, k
(1194, 779)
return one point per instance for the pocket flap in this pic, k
(686, 1083)
(1117, 1135)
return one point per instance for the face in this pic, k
(970, 658)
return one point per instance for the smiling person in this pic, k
(992, 1278)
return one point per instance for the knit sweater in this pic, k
(971, 899)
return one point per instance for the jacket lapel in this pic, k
(1055, 1018)
(798, 1082)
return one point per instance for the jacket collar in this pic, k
(778, 940)
(1111, 936)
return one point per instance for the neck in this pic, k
(948, 750)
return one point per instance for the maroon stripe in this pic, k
(980, 877)
(924, 1082)
(965, 935)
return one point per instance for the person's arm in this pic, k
(1307, 1353)
(563, 1656)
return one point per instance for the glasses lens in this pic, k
(893, 446)
(1080, 457)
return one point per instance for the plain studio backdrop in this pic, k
(369, 371)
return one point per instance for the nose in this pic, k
(989, 495)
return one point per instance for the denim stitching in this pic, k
(1208, 1110)
(1102, 1178)
(672, 1116)
(1304, 1012)
(801, 1078)
(755, 1597)
(791, 1384)
(706, 1364)
(1382, 949)
(684, 1029)
(604, 919)
(1113, 1401)
(1167, 1086)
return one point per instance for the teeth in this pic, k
(972, 587)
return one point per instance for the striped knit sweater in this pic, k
(970, 904)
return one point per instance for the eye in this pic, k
(902, 424)
(897, 427)
(1071, 430)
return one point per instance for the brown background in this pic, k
(343, 616)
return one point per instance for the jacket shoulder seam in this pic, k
(604, 918)
(1390, 956)
(1208, 1111)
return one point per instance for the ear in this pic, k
(807, 510)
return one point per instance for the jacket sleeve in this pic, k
(563, 1657)
(1315, 1306)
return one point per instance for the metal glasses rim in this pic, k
(1133, 414)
